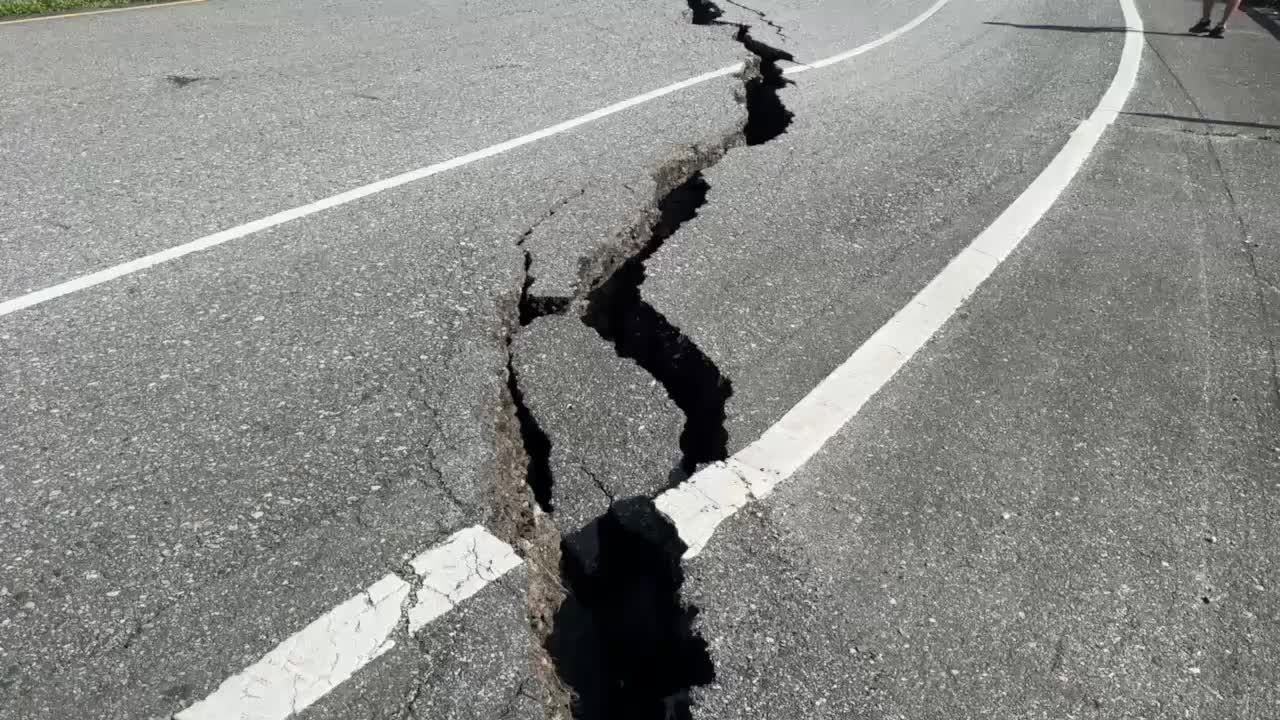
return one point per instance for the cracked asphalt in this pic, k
(1064, 506)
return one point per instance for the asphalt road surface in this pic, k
(1065, 504)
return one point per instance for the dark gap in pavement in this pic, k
(532, 307)
(623, 639)
(1201, 120)
(537, 445)
(767, 117)
(692, 381)
(618, 313)
(704, 12)
(535, 307)
(675, 209)
(183, 80)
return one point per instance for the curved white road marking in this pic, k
(841, 57)
(114, 272)
(699, 505)
(318, 658)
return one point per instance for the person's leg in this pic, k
(1232, 6)
(1203, 25)
(1221, 28)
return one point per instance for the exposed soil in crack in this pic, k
(523, 468)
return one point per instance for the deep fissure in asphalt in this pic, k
(638, 332)
(623, 641)
(529, 306)
(532, 307)
(767, 117)
(704, 12)
(537, 444)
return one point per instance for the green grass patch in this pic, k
(11, 8)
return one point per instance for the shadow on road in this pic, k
(1266, 14)
(1084, 28)
(1204, 121)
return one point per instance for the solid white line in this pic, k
(280, 218)
(64, 16)
(321, 656)
(84, 282)
(841, 57)
(714, 494)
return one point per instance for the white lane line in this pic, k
(714, 494)
(111, 11)
(84, 282)
(324, 654)
(841, 57)
(280, 218)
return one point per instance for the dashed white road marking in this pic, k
(712, 495)
(114, 272)
(324, 654)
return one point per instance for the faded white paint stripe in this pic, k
(84, 282)
(324, 654)
(717, 492)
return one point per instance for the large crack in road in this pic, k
(638, 332)
(617, 640)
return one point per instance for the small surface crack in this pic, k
(435, 476)
(537, 443)
(521, 692)
(403, 633)
(182, 81)
(1220, 134)
(595, 480)
(1259, 284)
(763, 18)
